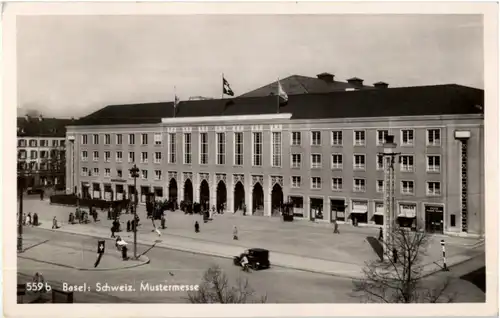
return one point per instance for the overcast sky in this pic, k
(72, 66)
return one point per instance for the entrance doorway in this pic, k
(131, 192)
(297, 206)
(276, 200)
(188, 191)
(239, 197)
(434, 219)
(85, 191)
(172, 190)
(204, 195)
(258, 199)
(316, 209)
(221, 197)
(337, 210)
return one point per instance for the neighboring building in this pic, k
(41, 146)
(318, 150)
(323, 83)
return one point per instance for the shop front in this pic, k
(144, 193)
(407, 213)
(119, 192)
(359, 212)
(131, 192)
(434, 218)
(337, 208)
(158, 192)
(316, 209)
(96, 190)
(108, 192)
(85, 190)
(378, 214)
(297, 206)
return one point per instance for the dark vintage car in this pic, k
(258, 258)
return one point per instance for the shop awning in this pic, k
(359, 207)
(379, 209)
(407, 211)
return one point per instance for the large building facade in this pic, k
(318, 151)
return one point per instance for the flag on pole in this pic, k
(226, 89)
(281, 93)
(176, 101)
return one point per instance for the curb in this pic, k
(143, 262)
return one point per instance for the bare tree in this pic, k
(215, 289)
(400, 278)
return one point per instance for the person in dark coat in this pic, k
(41, 195)
(380, 234)
(35, 219)
(335, 227)
(113, 229)
(196, 227)
(129, 226)
(163, 220)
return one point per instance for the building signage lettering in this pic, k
(433, 209)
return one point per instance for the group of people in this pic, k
(31, 220)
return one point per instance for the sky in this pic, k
(71, 66)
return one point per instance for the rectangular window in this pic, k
(407, 137)
(296, 138)
(33, 143)
(96, 156)
(221, 148)
(107, 156)
(337, 138)
(296, 160)
(315, 183)
(359, 162)
(85, 171)
(380, 186)
(119, 156)
(119, 139)
(22, 143)
(257, 149)
(157, 174)
(172, 142)
(337, 184)
(238, 148)
(43, 154)
(85, 155)
(144, 139)
(119, 173)
(453, 221)
(203, 148)
(158, 138)
(157, 157)
(276, 142)
(315, 161)
(187, 149)
(62, 143)
(407, 187)
(107, 139)
(95, 139)
(107, 172)
(144, 174)
(407, 163)
(433, 137)
(433, 163)
(433, 188)
(380, 162)
(44, 143)
(131, 157)
(144, 157)
(131, 139)
(296, 180)
(316, 138)
(55, 143)
(96, 172)
(381, 134)
(85, 139)
(337, 161)
(359, 185)
(359, 138)
(34, 154)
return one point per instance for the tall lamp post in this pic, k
(389, 218)
(20, 189)
(134, 172)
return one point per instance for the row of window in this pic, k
(43, 143)
(336, 138)
(336, 163)
(44, 154)
(86, 172)
(35, 166)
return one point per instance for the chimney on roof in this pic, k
(381, 85)
(356, 82)
(327, 77)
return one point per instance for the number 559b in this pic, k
(38, 287)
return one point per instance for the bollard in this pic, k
(445, 268)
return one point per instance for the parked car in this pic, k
(34, 190)
(258, 258)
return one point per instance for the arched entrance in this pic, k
(188, 191)
(276, 200)
(221, 196)
(204, 195)
(258, 199)
(239, 197)
(172, 190)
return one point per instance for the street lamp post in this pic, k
(388, 159)
(20, 189)
(134, 171)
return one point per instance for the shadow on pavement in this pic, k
(377, 246)
(477, 277)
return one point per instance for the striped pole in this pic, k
(445, 268)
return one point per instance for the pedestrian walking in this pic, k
(113, 231)
(77, 215)
(335, 227)
(380, 234)
(41, 195)
(28, 219)
(163, 220)
(235, 233)
(196, 227)
(54, 223)
(35, 219)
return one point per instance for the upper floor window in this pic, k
(296, 160)
(158, 138)
(95, 139)
(257, 149)
(62, 143)
(157, 157)
(407, 137)
(316, 138)
(131, 157)
(407, 163)
(380, 162)
(144, 174)
(187, 148)
(433, 188)
(44, 154)
(296, 181)
(337, 138)
(204, 148)
(22, 154)
(276, 144)
(96, 156)
(131, 139)
(337, 161)
(296, 138)
(157, 174)
(407, 187)
(316, 183)
(221, 148)
(45, 143)
(107, 172)
(119, 173)
(359, 162)
(337, 184)
(119, 139)
(359, 138)
(144, 139)
(238, 148)
(107, 139)
(172, 151)
(96, 172)
(433, 137)
(107, 156)
(34, 154)
(85, 171)
(119, 156)
(315, 161)
(144, 157)
(381, 135)
(359, 185)
(380, 186)
(433, 163)
(21, 143)
(33, 143)
(84, 139)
